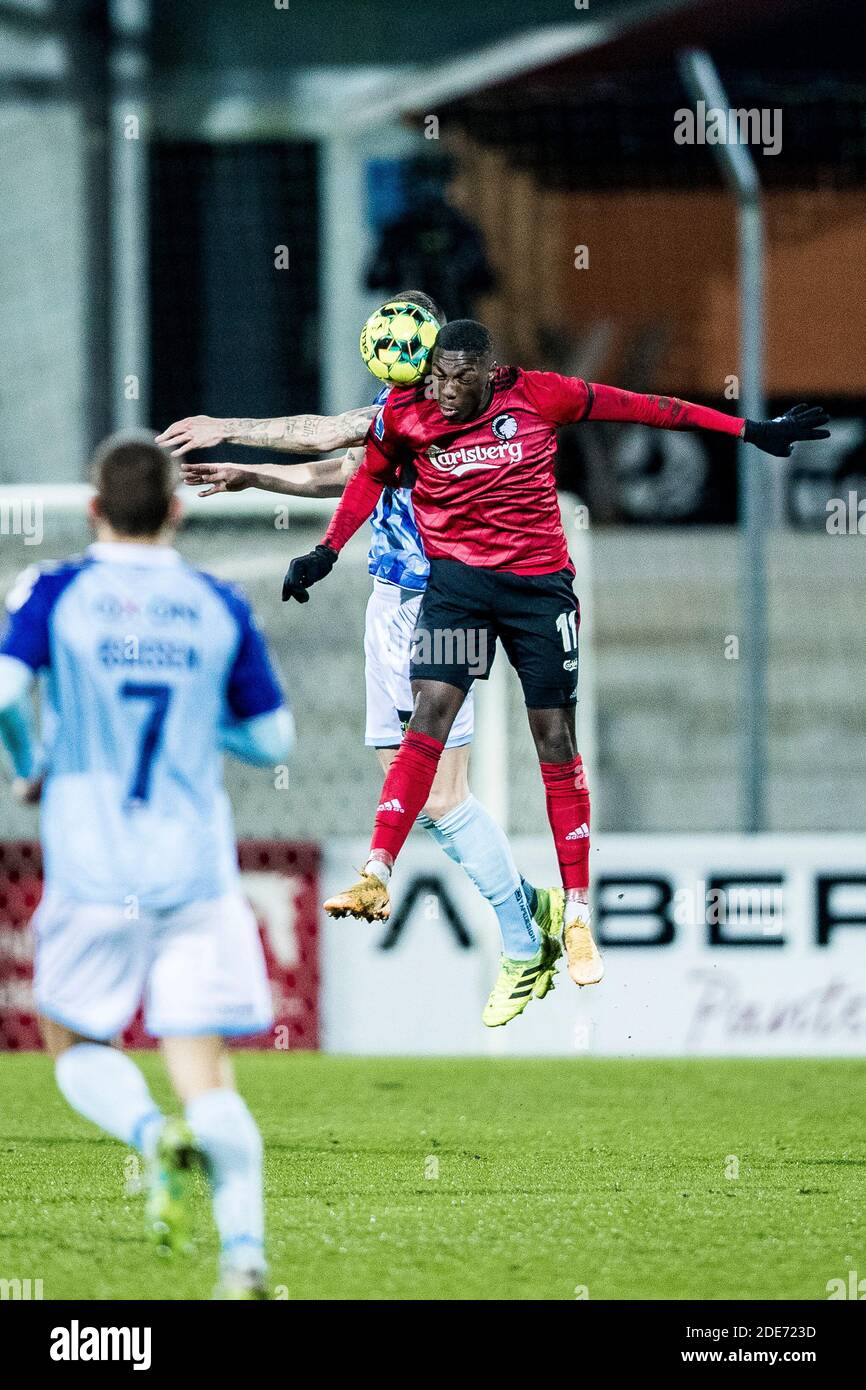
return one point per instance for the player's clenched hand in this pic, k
(217, 477)
(195, 432)
(307, 570)
(780, 435)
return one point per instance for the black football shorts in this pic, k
(536, 618)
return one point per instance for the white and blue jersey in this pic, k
(144, 660)
(396, 552)
(400, 570)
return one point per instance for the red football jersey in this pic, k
(483, 490)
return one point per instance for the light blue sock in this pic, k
(231, 1142)
(107, 1088)
(470, 836)
(530, 893)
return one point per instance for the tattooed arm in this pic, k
(293, 434)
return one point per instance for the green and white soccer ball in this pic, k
(396, 342)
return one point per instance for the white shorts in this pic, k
(390, 622)
(199, 968)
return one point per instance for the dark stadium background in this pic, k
(599, 124)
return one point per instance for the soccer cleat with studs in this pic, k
(585, 965)
(167, 1214)
(519, 981)
(367, 899)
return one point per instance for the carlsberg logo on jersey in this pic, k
(459, 461)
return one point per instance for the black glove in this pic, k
(780, 435)
(307, 570)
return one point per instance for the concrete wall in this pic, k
(42, 256)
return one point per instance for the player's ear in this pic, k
(94, 510)
(175, 511)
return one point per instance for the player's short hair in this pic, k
(134, 480)
(465, 335)
(424, 302)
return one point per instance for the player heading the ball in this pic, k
(478, 450)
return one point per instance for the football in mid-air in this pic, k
(396, 342)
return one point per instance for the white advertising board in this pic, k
(713, 945)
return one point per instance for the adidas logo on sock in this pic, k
(581, 833)
(392, 806)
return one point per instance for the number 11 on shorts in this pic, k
(566, 625)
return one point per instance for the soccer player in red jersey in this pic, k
(529, 917)
(479, 451)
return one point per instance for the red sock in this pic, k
(407, 787)
(567, 798)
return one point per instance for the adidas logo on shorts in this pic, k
(395, 806)
(581, 833)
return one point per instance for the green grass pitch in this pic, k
(475, 1179)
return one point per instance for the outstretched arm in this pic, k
(777, 436)
(662, 412)
(566, 400)
(292, 434)
(320, 478)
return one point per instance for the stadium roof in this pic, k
(780, 35)
(551, 49)
(590, 102)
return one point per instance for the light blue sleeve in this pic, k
(16, 715)
(263, 740)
